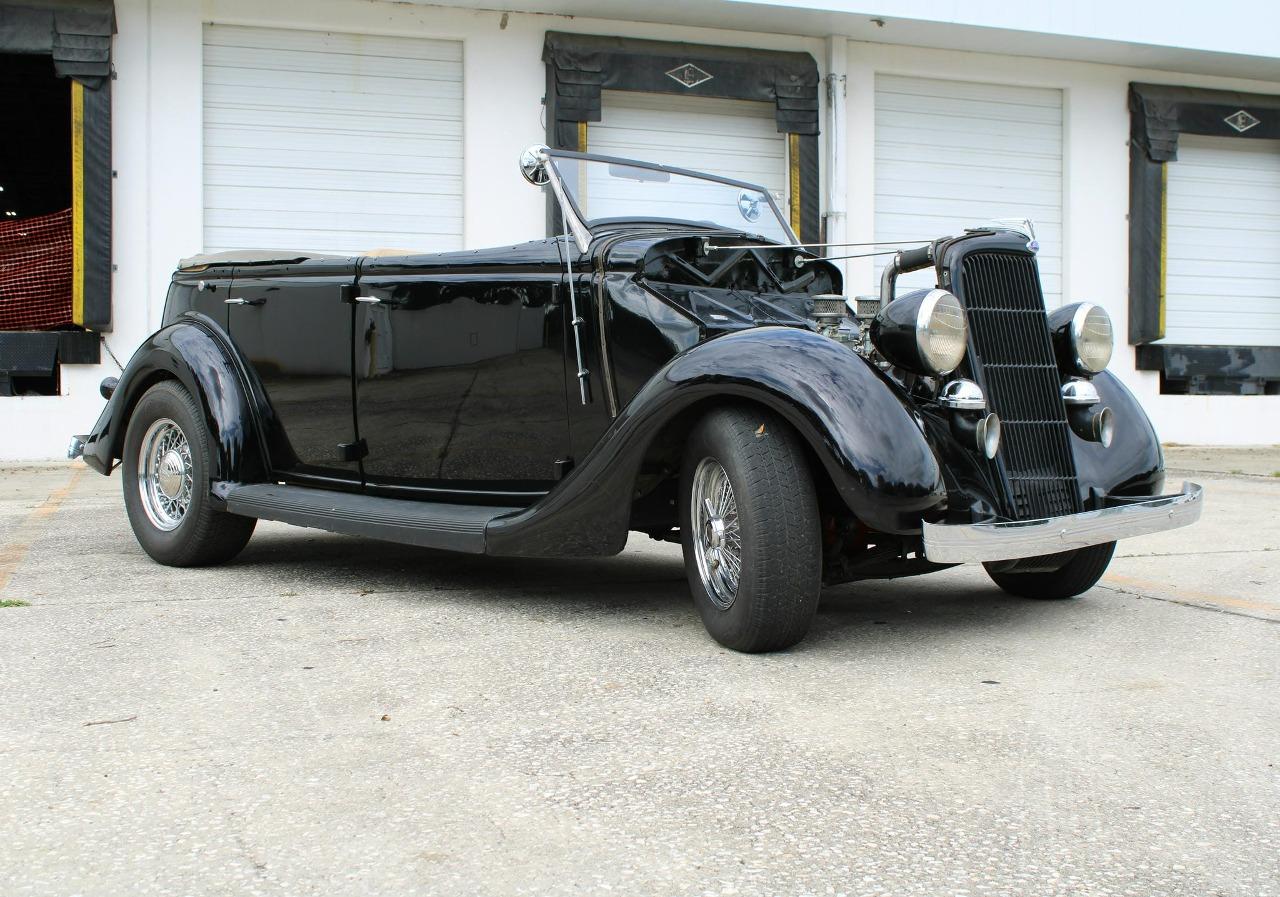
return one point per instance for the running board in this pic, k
(429, 524)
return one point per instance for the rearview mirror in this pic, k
(533, 165)
(632, 173)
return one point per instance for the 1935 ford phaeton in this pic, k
(676, 364)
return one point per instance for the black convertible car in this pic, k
(676, 364)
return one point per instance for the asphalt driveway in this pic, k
(330, 715)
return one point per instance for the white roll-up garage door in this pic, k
(1222, 249)
(732, 138)
(331, 142)
(956, 154)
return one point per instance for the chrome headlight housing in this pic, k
(1082, 337)
(924, 331)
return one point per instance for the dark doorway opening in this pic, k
(36, 229)
(35, 154)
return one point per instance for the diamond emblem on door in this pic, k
(689, 75)
(1242, 121)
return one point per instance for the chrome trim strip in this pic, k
(949, 543)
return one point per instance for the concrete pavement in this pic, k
(329, 715)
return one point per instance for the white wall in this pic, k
(157, 153)
(1095, 212)
(157, 125)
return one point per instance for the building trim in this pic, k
(581, 66)
(1159, 113)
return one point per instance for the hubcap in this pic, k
(717, 542)
(165, 474)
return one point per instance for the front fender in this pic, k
(1133, 464)
(857, 423)
(196, 352)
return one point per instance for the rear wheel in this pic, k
(167, 459)
(749, 527)
(1078, 575)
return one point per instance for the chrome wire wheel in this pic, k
(165, 477)
(717, 537)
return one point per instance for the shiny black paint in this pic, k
(886, 473)
(295, 334)
(1133, 464)
(198, 353)
(655, 352)
(460, 380)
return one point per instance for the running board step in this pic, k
(429, 524)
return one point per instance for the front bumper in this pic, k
(949, 543)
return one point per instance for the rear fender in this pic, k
(857, 423)
(197, 353)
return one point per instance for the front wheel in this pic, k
(167, 458)
(1078, 575)
(750, 530)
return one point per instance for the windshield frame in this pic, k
(580, 227)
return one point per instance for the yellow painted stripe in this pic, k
(14, 553)
(793, 161)
(1186, 596)
(77, 202)
(582, 136)
(1164, 241)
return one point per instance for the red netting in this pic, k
(35, 272)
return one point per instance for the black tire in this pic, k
(203, 535)
(777, 521)
(1077, 576)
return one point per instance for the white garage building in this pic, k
(1146, 152)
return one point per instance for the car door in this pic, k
(461, 380)
(293, 324)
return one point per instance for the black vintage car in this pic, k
(676, 364)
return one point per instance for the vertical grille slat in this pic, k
(1011, 356)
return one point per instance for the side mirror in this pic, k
(533, 165)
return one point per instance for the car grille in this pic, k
(1011, 356)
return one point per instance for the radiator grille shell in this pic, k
(1011, 357)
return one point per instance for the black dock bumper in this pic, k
(947, 543)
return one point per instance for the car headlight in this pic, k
(924, 331)
(1082, 337)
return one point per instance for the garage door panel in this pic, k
(974, 118)
(299, 170)
(732, 138)
(433, 220)
(346, 201)
(226, 100)
(319, 84)
(337, 65)
(1222, 250)
(954, 154)
(321, 141)
(334, 240)
(362, 45)
(905, 177)
(339, 180)
(965, 201)
(317, 143)
(398, 121)
(915, 89)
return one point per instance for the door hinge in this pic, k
(353, 451)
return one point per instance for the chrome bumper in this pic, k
(946, 543)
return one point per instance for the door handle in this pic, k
(240, 301)
(369, 300)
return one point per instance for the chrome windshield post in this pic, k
(581, 235)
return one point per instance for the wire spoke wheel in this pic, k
(717, 534)
(165, 475)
